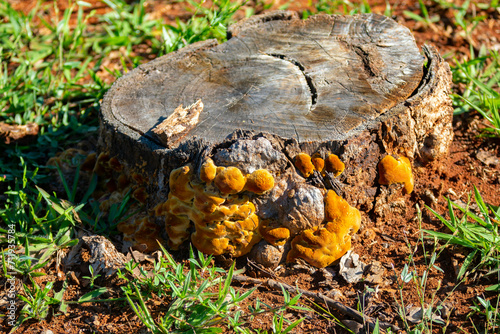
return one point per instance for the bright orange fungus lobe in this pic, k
(304, 164)
(396, 171)
(260, 181)
(334, 165)
(179, 183)
(208, 171)
(322, 245)
(318, 162)
(229, 180)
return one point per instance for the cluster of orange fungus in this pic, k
(223, 216)
(307, 164)
(112, 181)
(393, 170)
(322, 245)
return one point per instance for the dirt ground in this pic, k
(471, 161)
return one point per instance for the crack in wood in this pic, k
(310, 83)
(365, 59)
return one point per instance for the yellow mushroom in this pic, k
(141, 232)
(89, 163)
(140, 195)
(179, 182)
(177, 228)
(123, 182)
(115, 164)
(101, 166)
(338, 211)
(319, 246)
(273, 233)
(206, 201)
(318, 162)
(396, 171)
(225, 223)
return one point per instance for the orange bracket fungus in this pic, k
(274, 233)
(140, 230)
(307, 164)
(393, 170)
(318, 162)
(229, 180)
(260, 181)
(334, 165)
(234, 209)
(223, 216)
(277, 168)
(208, 171)
(304, 164)
(322, 245)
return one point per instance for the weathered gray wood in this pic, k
(318, 79)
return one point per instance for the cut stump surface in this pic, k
(353, 86)
(311, 80)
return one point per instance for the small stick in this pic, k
(317, 297)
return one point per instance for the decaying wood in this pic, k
(18, 134)
(318, 79)
(318, 298)
(413, 118)
(178, 124)
(103, 255)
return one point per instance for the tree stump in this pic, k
(353, 86)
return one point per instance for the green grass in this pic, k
(49, 76)
(200, 298)
(477, 232)
(430, 306)
(424, 18)
(479, 76)
(341, 7)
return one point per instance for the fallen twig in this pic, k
(317, 297)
